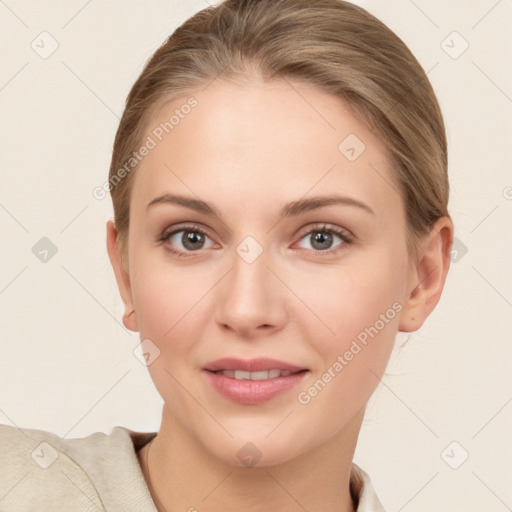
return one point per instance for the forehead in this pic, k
(262, 143)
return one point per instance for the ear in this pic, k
(122, 277)
(428, 275)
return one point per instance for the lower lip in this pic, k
(253, 392)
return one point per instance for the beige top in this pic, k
(40, 471)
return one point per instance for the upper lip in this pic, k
(251, 365)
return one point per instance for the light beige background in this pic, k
(66, 360)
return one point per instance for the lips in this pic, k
(261, 375)
(253, 381)
(252, 365)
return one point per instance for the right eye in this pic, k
(186, 239)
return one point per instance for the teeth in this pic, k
(261, 375)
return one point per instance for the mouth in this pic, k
(253, 381)
(274, 373)
(257, 365)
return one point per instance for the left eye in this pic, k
(323, 239)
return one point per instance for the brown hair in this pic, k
(331, 44)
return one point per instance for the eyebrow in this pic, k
(290, 210)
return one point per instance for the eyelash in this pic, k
(318, 228)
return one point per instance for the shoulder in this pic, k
(43, 471)
(37, 474)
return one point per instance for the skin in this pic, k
(248, 150)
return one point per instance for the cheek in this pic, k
(170, 313)
(168, 297)
(344, 304)
(362, 308)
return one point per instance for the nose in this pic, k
(251, 301)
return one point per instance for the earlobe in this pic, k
(428, 276)
(130, 320)
(122, 277)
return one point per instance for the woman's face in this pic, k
(274, 273)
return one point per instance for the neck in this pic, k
(182, 475)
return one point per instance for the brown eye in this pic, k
(321, 240)
(186, 240)
(325, 239)
(192, 240)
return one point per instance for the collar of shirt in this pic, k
(42, 471)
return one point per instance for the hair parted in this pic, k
(332, 44)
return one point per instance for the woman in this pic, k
(279, 182)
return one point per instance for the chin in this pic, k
(256, 451)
